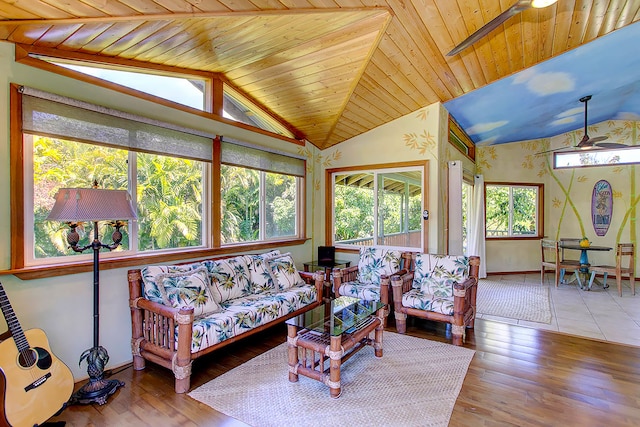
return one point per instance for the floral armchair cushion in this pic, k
(188, 289)
(442, 268)
(285, 272)
(150, 274)
(375, 262)
(422, 300)
(363, 291)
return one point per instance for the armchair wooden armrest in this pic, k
(343, 275)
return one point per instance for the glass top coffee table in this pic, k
(320, 340)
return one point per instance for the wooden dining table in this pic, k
(582, 275)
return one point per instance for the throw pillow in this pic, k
(285, 272)
(260, 273)
(189, 289)
(230, 278)
(150, 274)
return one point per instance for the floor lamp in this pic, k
(74, 205)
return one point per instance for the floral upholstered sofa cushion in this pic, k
(373, 264)
(243, 314)
(433, 280)
(231, 295)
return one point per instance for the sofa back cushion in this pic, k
(188, 289)
(260, 273)
(150, 283)
(284, 271)
(375, 262)
(229, 278)
(439, 268)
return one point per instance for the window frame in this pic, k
(539, 210)
(606, 151)
(330, 201)
(211, 213)
(215, 84)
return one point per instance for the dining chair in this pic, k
(570, 240)
(622, 250)
(551, 257)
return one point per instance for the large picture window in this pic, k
(260, 194)
(513, 210)
(166, 169)
(377, 206)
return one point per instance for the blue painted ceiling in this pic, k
(543, 100)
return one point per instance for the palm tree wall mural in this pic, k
(568, 191)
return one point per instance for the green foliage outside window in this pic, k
(353, 208)
(241, 208)
(169, 194)
(511, 210)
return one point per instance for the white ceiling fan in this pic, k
(587, 143)
(516, 8)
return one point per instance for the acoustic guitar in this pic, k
(36, 384)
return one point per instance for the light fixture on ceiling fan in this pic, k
(587, 143)
(516, 8)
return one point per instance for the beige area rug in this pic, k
(415, 383)
(514, 300)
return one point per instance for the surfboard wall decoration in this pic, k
(601, 207)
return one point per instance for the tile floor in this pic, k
(598, 313)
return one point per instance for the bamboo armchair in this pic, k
(349, 281)
(459, 309)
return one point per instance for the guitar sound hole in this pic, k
(38, 356)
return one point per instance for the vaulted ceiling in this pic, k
(333, 69)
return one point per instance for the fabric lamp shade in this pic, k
(91, 204)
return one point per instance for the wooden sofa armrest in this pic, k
(315, 278)
(153, 330)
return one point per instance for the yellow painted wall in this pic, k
(422, 134)
(567, 210)
(63, 306)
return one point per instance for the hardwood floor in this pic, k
(518, 377)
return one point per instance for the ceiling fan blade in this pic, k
(585, 142)
(516, 8)
(611, 145)
(598, 139)
(553, 150)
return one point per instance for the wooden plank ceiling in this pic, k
(332, 69)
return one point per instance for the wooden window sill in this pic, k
(62, 269)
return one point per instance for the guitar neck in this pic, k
(12, 321)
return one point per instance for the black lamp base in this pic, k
(95, 391)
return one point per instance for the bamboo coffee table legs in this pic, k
(318, 347)
(292, 352)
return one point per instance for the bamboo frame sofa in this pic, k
(184, 311)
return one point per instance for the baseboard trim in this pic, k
(502, 273)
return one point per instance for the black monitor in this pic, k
(326, 255)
